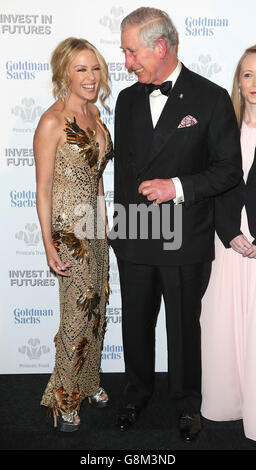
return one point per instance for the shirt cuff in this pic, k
(179, 191)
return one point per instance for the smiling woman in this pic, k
(61, 59)
(84, 74)
(228, 320)
(72, 148)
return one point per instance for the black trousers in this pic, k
(182, 287)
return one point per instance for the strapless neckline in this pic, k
(98, 122)
(85, 139)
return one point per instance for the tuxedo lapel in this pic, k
(150, 141)
(251, 174)
(170, 117)
(142, 127)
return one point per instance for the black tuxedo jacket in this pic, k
(206, 157)
(228, 208)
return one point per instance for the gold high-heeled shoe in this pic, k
(97, 401)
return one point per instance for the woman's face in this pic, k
(248, 78)
(84, 75)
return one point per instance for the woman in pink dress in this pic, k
(229, 306)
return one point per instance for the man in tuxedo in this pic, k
(176, 148)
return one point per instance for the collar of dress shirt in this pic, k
(173, 77)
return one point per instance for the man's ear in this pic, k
(162, 47)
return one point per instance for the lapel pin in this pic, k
(181, 96)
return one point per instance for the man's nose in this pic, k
(128, 60)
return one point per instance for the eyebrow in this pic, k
(127, 49)
(85, 65)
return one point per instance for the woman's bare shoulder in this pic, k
(95, 110)
(52, 118)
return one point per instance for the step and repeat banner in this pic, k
(212, 37)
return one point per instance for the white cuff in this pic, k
(179, 191)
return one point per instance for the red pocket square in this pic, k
(188, 121)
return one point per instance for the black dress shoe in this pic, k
(190, 426)
(127, 416)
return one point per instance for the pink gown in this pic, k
(228, 323)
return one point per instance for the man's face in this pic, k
(139, 58)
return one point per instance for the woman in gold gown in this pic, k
(72, 147)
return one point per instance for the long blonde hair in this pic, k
(61, 59)
(236, 96)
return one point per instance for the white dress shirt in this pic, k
(157, 102)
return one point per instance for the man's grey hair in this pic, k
(155, 24)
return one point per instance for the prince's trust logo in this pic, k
(33, 349)
(34, 353)
(205, 66)
(30, 240)
(113, 21)
(112, 24)
(28, 112)
(31, 236)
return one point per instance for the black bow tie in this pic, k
(165, 88)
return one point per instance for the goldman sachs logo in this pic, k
(204, 26)
(112, 352)
(22, 198)
(25, 70)
(31, 316)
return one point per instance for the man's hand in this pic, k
(158, 190)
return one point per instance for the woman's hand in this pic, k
(55, 263)
(251, 252)
(241, 245)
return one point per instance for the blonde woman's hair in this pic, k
(61, 59)
(236, 96)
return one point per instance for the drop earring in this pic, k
(64, 91)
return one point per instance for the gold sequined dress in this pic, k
(79, 237)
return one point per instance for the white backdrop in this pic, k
(212, 36)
